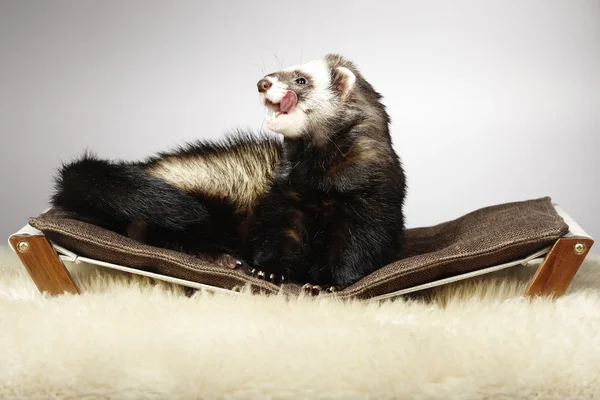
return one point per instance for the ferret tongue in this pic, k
(288, 101)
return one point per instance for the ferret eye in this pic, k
(301, 81)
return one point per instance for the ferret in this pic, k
(322, 207)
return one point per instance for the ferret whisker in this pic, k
(279, 61)
(260, 130)
(264, 67)
(336, 146)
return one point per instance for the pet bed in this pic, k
(477, 243)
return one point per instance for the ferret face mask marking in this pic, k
(299, 95)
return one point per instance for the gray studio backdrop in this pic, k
(491, 101)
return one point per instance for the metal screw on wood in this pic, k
(23, 247)
(580, 249)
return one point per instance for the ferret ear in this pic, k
(343, 82)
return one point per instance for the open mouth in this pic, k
(285, 105)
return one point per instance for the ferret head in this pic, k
(313, 97)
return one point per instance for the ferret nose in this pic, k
(263, 85)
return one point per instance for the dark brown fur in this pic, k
(346, 211)
(324, 208)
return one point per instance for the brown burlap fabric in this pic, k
(483, 238)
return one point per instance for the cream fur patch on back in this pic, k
(229, 175)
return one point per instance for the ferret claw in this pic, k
(260, 274)
(315, 290)
(312, 290)
(227, 261)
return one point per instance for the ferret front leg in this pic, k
(354, 242)
(279, 253)
(279, 240)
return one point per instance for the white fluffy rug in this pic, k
(126, 338)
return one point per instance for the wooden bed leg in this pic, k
(45, 268)
(559, 267)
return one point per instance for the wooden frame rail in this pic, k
(552, 278)
(43, 265)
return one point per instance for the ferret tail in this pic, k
(109, 193)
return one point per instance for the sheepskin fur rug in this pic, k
(131, 338)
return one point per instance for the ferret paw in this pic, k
(229, 261)
(271, 277)
(224, 260)
(315, 290)
(268, 268)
